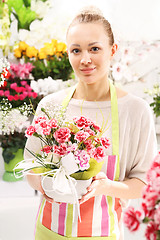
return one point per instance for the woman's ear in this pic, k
(114, 49)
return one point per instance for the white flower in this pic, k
(118, 71)
(41, 8)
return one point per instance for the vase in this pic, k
(9, 174)
(80, 186)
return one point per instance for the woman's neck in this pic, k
(93, 92)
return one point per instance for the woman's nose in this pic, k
(86, 58)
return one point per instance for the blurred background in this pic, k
(32, 40)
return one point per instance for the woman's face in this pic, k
(89, 52)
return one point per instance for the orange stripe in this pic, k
(118, 208)
(85, 226)
(46, 220)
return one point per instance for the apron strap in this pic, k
(114, 114)
(115, 120)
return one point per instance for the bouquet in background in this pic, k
(51, 60)
(17, 89)
(70, 150)
(149, 213)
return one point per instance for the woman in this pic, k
(128, 123)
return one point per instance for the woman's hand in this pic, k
(97, 187)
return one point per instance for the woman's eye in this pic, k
(94, 49)
(75, 51)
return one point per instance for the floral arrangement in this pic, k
(4, 72)
(149, 213)
(17, 89)
(81, 137)
(155, 93)
(51, 60)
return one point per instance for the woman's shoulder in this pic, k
(132, 102)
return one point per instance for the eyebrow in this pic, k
(90, 44)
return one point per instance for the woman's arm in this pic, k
(127, 189)
(35, 182)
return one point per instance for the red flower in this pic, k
(53, 123)
(60, 150)
(81, 122)
(98, 153)
(47, 149)
(62, 134)
(151, 231)
(132, 219)
(6, 74)
(81, 136)
(105, 142)
(30, 130)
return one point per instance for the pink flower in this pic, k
(30, 130)
(60, 150)
(34, 94)
(149, 196)
(151, 231)
(81, 136)
(132, 219)
(10, 98)
(16, 97)
(23, 83)
(21, 70)
(53, 123)
(62, 134)
(98, 153)
(23, 96)
(13, 85)
(7, 93)
(96, 127)
(1, 93)
(105, 142)
(91, 132)
(88, 144)
(46, 130)
(83, 159)
(39, 119)
(47, 149)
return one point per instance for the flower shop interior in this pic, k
(34, 63)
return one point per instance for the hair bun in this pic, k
(91, 10)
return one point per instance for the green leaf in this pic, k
(93, 170)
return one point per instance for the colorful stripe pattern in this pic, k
(99, 215)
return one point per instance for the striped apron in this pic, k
(100, 215)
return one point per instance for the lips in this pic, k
(87, 70)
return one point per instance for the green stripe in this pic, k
(69, 220)
(111, 217)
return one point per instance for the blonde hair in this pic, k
(92, 14)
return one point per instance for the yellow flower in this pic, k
(61, 47)
(17, 53)
(42, 54)
(49, 49)
(54, 42)
(31, 52)
(23, 46)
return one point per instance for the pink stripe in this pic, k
(61, 221)
(111, 166)
(105, 218)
